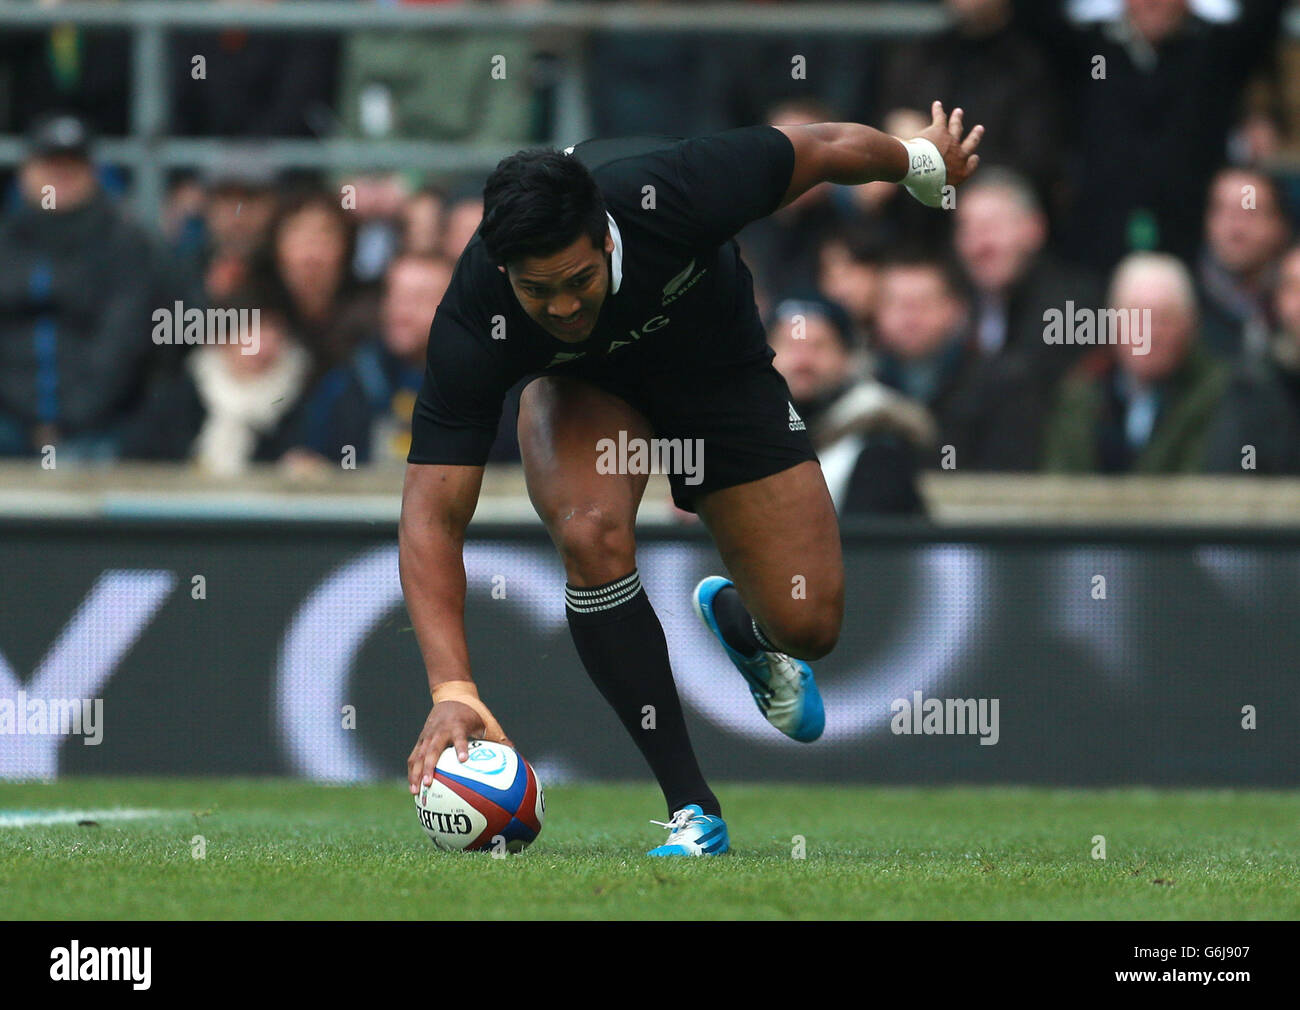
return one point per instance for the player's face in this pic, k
(563, 292)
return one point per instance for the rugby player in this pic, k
(609, 274)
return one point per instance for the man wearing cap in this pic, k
(77, 288)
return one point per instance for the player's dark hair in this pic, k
(536, 203)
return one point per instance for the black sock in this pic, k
(739, 630)
(621, 643)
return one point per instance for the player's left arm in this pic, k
(850, 154)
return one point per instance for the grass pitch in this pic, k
(285, 850)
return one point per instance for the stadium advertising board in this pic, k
(285, 649)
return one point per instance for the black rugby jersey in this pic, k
(680, 297)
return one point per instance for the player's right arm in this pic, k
(437, 504)
(453, 425)
(851, 154)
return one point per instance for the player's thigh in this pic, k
(590, 515)
(780, 540)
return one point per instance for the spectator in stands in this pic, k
(848, 272)
(1261, 408)
(78, 285)
(235, 404)
(1246, 232)
(989, 411)
(306, 264)
(782, 249)
(1125, 411)
(236, 213)
(1151, 99)
(390, 369)
(377, 201)
(1000, 237)
(238, 83)
(463, 219)
(999, 76)
(424, 218)
(868, 437)
(180, 225)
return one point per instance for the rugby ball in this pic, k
(491, 802)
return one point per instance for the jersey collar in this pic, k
(616, 257)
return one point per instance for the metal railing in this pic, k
(564, 29)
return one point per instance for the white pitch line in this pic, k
(37, 818)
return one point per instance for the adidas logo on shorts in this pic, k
(796, 422)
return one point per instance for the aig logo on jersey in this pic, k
(796, 422)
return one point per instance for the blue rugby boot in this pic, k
(783, 687)
(692, 832)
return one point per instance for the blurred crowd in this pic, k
(1126, 169)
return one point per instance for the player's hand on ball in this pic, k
(450, 724)
(945, 133)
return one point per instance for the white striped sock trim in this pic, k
(604, 602)
(581, 591)
(586, 595)
(590, 601)
(593, 608)
(763, 640)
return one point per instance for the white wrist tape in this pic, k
(926, 172)
(466, 692)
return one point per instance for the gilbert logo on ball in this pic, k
(494, 794)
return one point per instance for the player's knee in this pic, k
(596, 544)
(810, 633)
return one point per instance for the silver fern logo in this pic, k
(678, 286)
